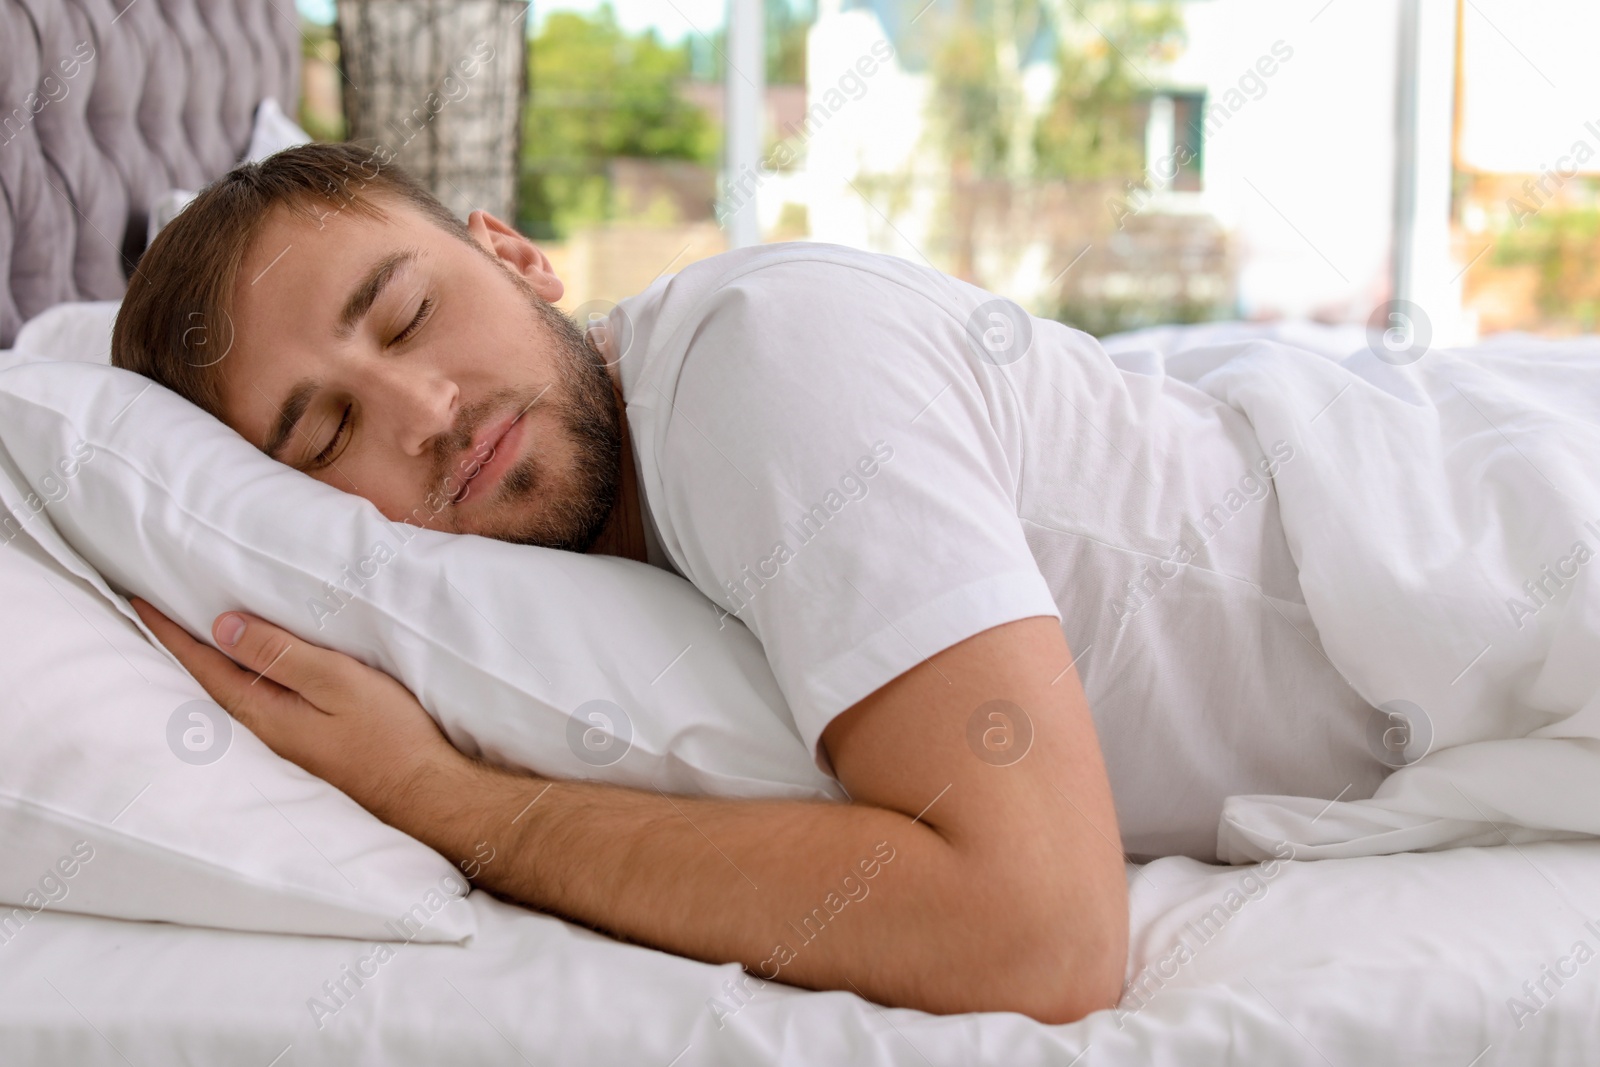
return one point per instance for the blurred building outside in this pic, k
(1239, 162)
(939, 155)
(1526, 159)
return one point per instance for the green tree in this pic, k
(319, 47)
(1561, 244)
(596, 92)
(969, 95)
(1094, 126)
(788, 23)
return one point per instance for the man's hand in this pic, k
(964, 876)
(354, 727)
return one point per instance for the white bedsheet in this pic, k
(1405, 960)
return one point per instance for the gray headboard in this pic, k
(106, 104)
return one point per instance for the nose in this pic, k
(420, 404)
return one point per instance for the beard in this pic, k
(538, 503)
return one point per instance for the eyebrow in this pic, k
(366, 294)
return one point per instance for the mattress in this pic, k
(1465, 958)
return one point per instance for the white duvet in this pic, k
(1446, 524)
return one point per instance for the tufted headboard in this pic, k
(105, 105)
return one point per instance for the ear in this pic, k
(516, 252)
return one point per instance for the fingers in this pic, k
(171, 634)
(222, 679)
(349, 724)
(200, 660)
(272, 653)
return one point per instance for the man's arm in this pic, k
(955, 881)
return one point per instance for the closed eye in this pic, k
(423, 310)
(323, 458)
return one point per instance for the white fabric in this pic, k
(1333, 341)
(1394, 961)
(165, 208)
(100, 815)
(78, 330)
(572, 666)
(273, 132)
(1446, 524)
(954, 492)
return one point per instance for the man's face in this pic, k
(389, 358)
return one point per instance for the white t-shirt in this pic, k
(867, 462)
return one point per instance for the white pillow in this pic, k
(125, 792)
(76, 330)
(165, 208)
(273, 132)
(569, 665)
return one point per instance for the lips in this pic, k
(483, 450)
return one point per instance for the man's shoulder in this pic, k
(767, 313)
(796, 273)
(790, 256)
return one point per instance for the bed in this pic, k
(1406, 960)
(1459, 958)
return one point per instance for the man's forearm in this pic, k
(978, 868)
(817, 894)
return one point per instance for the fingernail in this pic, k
(230, 628)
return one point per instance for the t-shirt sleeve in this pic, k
(832, 475)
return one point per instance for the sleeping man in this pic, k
(994, 574)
